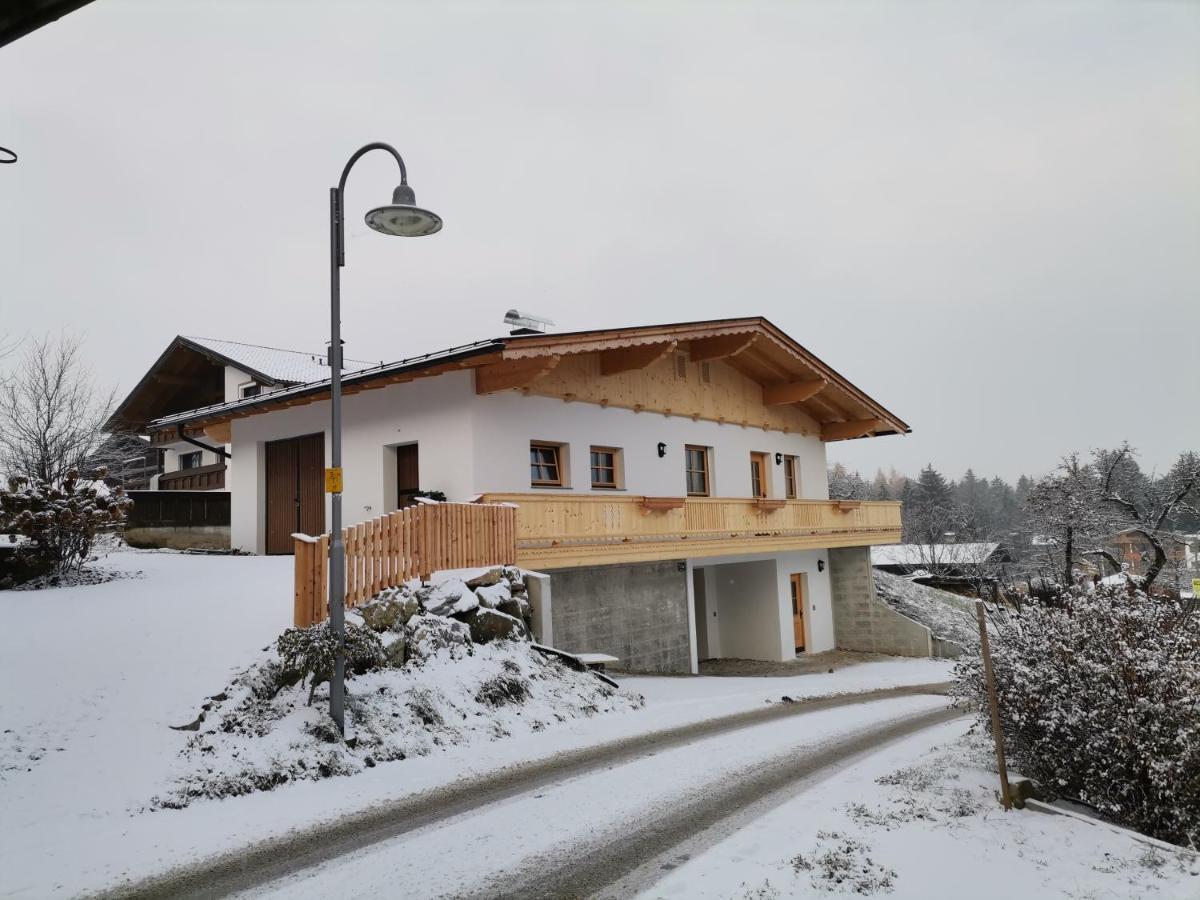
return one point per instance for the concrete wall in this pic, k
(183, 537)
(860, 620)
(637, 613)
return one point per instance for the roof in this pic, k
(273, 365)
(789, 374)
(190, 373)
(933, 554)
(20, 17)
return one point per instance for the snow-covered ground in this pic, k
(949, 616)
(98, 673)
(920, 820)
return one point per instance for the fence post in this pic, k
(990, 678)
(302, 609)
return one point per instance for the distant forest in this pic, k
(1052, 527)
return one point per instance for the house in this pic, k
(193, 372)
(966, 568)
(670, 478)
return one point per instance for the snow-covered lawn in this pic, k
(98, 673)
(919, 821)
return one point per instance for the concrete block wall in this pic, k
(863, 622)
(636, 612)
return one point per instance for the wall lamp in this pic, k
(662, 449)
(820, 565)
(779, 459)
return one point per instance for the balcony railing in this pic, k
(557, 530)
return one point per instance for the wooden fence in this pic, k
(409, 543)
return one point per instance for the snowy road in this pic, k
(605, 822)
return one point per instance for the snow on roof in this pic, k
(292, 366)
(932, 554)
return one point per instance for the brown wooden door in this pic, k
(408, 480)
(295, 490)
(798, 609)
(758, 475)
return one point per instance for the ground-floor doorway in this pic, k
(799, 592)
(295, 490)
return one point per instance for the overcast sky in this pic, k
(986, 216)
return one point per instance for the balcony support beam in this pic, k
(627, 359)
(723, 347)
(792, 391)
(841, 431)
(517, 373)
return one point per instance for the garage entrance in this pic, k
(295, 490)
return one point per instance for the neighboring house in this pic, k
(671, 478)
(1135, 553)
(972, 568)
(938, 559)
(131, 461)
(194, 372)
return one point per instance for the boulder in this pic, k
(517, 607)
(447, 598)
(390, 611)
(490, 624)
(493, 595)
(490, 577)
(394, 651)
(426, 635)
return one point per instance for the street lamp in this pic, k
(403, 218)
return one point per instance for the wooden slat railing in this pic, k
(409, 543)
(559, 530)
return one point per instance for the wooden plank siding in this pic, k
(410, 543)
(558, 531)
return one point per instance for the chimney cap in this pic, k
(524, 322)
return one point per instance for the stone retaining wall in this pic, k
(863, 622)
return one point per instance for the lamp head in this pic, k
(402, 217)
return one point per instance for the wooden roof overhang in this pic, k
(786, 372)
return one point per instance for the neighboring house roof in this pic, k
(272, 365)
(190, 373)
(933, 554)
(788, 373)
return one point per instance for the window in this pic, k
(697, 470)
(606, 468)
(191, 460)
(680, 366)
(789, 477)
(545, 464)
(253, 389)
(758, 475)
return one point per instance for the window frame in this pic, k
(617, 468)
(257, 389)
(555, 448)
(706, 472)
(791, 477)
(759, 466)
(197, 455)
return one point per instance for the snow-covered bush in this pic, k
(310, 653)
(1100, 702)
(60, 522)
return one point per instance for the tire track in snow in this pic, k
(279, 857)
(623, 865)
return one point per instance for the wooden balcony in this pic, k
(556, 530)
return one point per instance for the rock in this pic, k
(394, 652)
(490, 624)
(493, 595)
(450, 597)
(488, 578)
(517, 607)
(390, 611)
(426, 635)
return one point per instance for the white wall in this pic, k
(746, 626)
(470, 444)
(435, 413)
(506, 423)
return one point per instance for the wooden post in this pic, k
(990, 678)
(302, 609)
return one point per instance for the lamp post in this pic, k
(403, 218)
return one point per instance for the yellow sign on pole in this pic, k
(1196, 587)
(333, 481)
